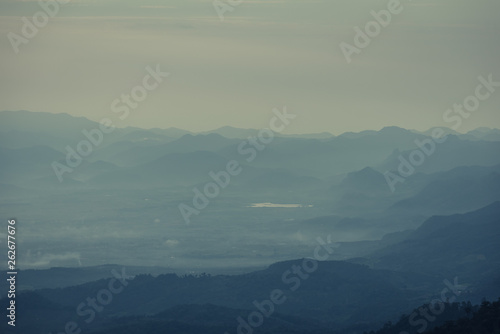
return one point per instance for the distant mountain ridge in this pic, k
(66, 125)
(463, 245)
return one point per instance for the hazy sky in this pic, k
(265, 54)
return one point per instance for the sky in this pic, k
(263, 55)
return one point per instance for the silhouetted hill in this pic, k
(207, 318)
(20, 166)
(232, 132)
(454, 152)
(463, 245)
(171, 169)
(186, 144)
(453, 194)
(365, 180)
(340, 293)
(57, 125)
(484, 134)
(454, 318)
(485, 320)
(58, 277)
